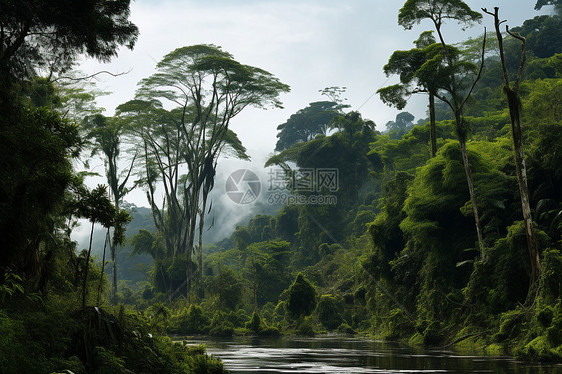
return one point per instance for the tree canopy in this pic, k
(414, 11)
(49, 35)
(208, 89)
(306, 123)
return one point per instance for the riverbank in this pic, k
(525, 334)
(37, 338)
(522, 342)
(340, 354)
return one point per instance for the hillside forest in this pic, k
(443, 231)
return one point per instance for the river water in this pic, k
(353, 355)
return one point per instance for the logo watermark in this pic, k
(304, 180)
(286, 198)
(243, 186)
(306, 186)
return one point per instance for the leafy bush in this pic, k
(551, 277)
(329, 312)
(106, 362)
(432, 335)
(344, 328)
(538, 349)
(305, 328)
(203, 364)
(302, 297)
(220, 326)
(254, 324)
(554, 331)
(190, 321)
(544, 316)
(511, 324)
(269, 332)
(280, 311)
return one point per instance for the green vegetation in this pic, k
(54, 312)
(445, 232)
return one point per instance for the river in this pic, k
(343, 355)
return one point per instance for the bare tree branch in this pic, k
(93, 75)
(479, 71)
(523, 56)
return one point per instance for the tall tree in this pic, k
(36, 147)
(406, 64)
(462, 75)
(106, 135)
(208, 88)
(36, 143)
(159, 167)
(97, 208)
(514, 105)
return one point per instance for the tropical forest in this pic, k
(429, 243)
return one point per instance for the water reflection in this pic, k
(344, 355)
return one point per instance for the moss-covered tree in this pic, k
(455, 90)
(301, 300)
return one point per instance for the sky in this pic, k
(307, 44)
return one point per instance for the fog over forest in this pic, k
(308, 45)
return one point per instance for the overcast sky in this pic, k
(307, 44)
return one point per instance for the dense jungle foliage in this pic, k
(54, 311)
(425, 240)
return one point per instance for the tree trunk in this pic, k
(469, 180)
(189, 252)
(87, 267)
(200, 252)
(521, 171)
(433, 131)
(113, 181)
(188, 273)
(524, 191)
(102, 266)
(113, 250)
